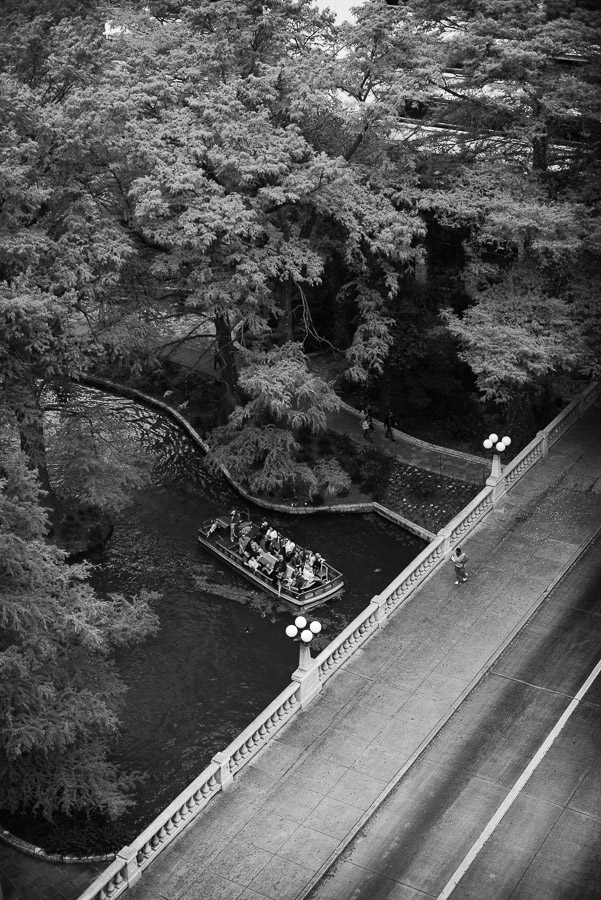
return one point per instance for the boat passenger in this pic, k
(212, 528)
(318, 564)
(279, 569)
(289, 548)
(271, 536)
(234, 522)
(252, 549)
(299, 580)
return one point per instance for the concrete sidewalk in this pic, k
(413, 452)
(297, 805)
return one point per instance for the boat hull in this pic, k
(219, 545)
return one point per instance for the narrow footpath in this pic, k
(297, 805)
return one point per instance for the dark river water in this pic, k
(221, 654)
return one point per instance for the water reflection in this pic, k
(221, 655)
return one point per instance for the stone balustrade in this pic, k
(130, 862)
(349, 640)
(307, 681)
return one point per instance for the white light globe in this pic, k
(306, 635)
(500, 446)
(300, 622)
(493, 437)
(315, 627)
(507, 441)
(488, 443)
(291, 631)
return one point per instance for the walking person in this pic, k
(390, 422)
(365, 427)
(459, 559)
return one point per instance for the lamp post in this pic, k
(497, 445)
(303, 632)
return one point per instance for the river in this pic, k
(221, 654)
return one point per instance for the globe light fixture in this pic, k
(497, 445)
(303, 633)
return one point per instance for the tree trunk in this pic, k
(30, 421)
(228, 375)
(540, 146)
(286, 324)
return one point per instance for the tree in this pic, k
(59, 689)
(504, 129)
(62, 248)
(260, 443)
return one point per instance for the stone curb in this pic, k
(336, 854)
(368, 507)
(31, 850)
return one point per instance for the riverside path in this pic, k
(299, 804)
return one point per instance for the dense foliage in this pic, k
(59, 691)
(418, 189)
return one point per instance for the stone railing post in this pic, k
(544, 443)
(133, 872)
(307, 676)
(378, 603)
(225, 776)
(446, 534)
(498, 485)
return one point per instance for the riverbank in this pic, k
(423, 483)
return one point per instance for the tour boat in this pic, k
(305, 580)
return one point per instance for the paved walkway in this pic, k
(296, 806)
(472, 469)
(198, 355)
